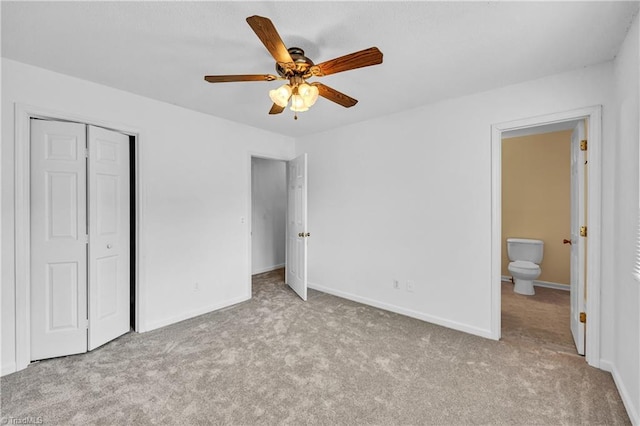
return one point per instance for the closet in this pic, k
(80, 237)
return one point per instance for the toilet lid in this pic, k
(524, 264)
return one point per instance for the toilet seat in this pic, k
(524, 265)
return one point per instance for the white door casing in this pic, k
(109, 243)
(297, 235)
(578, 243)
(592, 116)
(58, 303)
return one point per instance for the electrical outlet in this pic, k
(411, 285)
(396, 284)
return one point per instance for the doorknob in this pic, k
(565, 241)
(109, 246)
(301, 234)
(308, 234)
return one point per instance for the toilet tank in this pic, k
(525, 249)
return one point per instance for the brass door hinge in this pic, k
(583, 145)
(583, 231)
(583, 317)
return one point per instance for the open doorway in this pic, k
(536, 264)
(268, 214)
(278, 226)
(581, 306)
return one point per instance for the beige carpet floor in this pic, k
(278, 360)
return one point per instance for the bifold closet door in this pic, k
(58, 239)
(79, 237)
(109, 213)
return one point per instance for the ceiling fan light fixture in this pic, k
(308, 93)
(297, 104)
(281, 95)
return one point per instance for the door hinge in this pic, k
(86, 324)
(86, 152)
(583, 145)
(86, 239)
(583, 317)
(583, 231)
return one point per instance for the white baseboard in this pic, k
(267, 269)
(606, 365)
(8, 368)
(197, 312)
(546, 284)
(632, 411)
(404, 311)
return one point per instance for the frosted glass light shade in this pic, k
(308, 93)
(297, 104)
(280, 96)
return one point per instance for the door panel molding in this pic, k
(593, 115)
(23, 113)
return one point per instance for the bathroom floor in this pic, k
(541, 320)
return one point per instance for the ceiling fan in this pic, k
(293, 65)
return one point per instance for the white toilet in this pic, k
(525, 256)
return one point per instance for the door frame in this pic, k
(22, 218)
(249, 222)
(593, 115)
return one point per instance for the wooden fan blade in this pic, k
(276, 109)
(242, 77)
(268, 35)
(334, 96)
(363, 58)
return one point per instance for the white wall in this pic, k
(195, 186)
(626, 361)
(408, 197)
(268, 214)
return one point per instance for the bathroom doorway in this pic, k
(537, 204)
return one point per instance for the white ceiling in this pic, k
(432, 50)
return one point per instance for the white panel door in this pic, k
(109, 235)
(578, 243)
(58, 239)
(297, 234)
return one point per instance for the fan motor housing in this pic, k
(302, 64)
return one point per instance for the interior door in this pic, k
(578, 243)
(58, 239)
(297, 234)
(109, 235)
